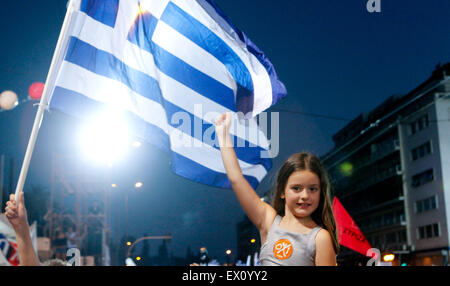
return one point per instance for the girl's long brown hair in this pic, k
(323, 215)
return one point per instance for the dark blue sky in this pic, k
(334, 57)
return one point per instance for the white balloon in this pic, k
(8, 100)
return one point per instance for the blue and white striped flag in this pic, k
(172, 66)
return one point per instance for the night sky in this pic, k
(334, 57)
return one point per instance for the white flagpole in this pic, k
(2, 169)
(45, 94)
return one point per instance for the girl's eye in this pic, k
(314, 189)
(296, 188)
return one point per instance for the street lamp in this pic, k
(228, 253)
(105, 138)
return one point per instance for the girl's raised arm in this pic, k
(257, 211)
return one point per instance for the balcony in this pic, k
(383, 223)
(397, 248)
(367, 208)
(368, 230)
(381, 150)
(370, 178)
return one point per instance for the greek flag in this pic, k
(171, 67)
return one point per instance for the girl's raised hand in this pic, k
(223, 122)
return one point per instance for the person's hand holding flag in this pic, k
(16, 213)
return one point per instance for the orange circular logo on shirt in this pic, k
(282, 249)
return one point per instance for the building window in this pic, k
(388, 218)
(422, 178)
(402, 236)
(421, 151)
(400, 216)
(419, 124)
(429, 231)
(426, 205)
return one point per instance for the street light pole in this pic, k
(137, 185)
(229, 253)
(126, 214)
(252, 250)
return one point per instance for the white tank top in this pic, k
(286, 248)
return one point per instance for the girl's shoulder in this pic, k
(325, 252)
(323, 238)
(270, 217)
(323, 232)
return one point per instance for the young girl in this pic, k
(299, 228)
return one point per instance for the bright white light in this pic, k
(136, 144)
(150, 5)
(114, 185)
(144, 5)
(129, 262)
(105, 140)
(138, 185)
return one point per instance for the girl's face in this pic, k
(302, 193)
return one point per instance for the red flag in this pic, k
(13, 257)
(348, 232)
(9, 250)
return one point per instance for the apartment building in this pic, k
(390, 168)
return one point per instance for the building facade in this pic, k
(390, 168)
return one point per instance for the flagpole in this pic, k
(2, 169)
(44, 98)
